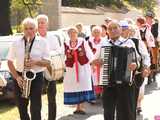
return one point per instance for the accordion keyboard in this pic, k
(105, 73)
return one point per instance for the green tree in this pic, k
(149, 5)
(21, 9)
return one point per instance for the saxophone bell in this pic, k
(29, 74)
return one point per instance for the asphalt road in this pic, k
(150, 106)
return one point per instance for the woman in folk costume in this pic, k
(95, 44)
(77, 80)
(149, 41)
(147, 37)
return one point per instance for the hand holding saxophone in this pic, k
(29, 64)
(20, 81)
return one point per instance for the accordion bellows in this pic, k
(115, 68)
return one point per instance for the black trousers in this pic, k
(35, 99)
(138, 83)
(119, 98)
(51, 94)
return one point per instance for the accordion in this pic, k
(115, 65)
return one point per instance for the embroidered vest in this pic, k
(82, 57)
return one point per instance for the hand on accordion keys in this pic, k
(132, 66)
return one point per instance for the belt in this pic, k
(38, 73)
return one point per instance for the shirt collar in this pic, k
(120, 39)
(36, 38)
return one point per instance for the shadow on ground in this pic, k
(91, 112)
(149, 89)
(6, 106)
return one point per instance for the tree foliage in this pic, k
(21, 9)
(144, 4)
(91, 3)
(149, 5)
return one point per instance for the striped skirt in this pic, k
(78, 97)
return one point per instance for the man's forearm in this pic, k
(43, 63)
(12, 69)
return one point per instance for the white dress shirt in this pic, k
(39, 51)
(126, 43)
(53, 43)
(142, 49)
(144, 54)
(149, 37)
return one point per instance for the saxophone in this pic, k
(28, 74)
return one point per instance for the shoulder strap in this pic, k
(136, 42)
(59, 40)
(145, 30)
(66, 46)
(30, 48)
(143, 33)
(90, 45)
(121, 43)
(87, 38)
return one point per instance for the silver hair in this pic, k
(97, 28)
(42, 16)
(30, 21)
(72, 28)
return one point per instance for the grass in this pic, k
(10, 112)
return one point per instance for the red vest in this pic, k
(70, 59)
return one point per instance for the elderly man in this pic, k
(128, 32)
(53, 44)
(117, 96)
(28, 52)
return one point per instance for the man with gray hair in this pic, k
(53, 45)
(117, 95)
(28, 52)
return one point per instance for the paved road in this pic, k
(151, 106)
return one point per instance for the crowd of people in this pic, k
(83, 65)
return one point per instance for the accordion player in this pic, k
(115, 68)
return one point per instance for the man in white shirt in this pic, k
(144, 61)
(117, 96)
(142, 50)
(38, 52)
(53, 44)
